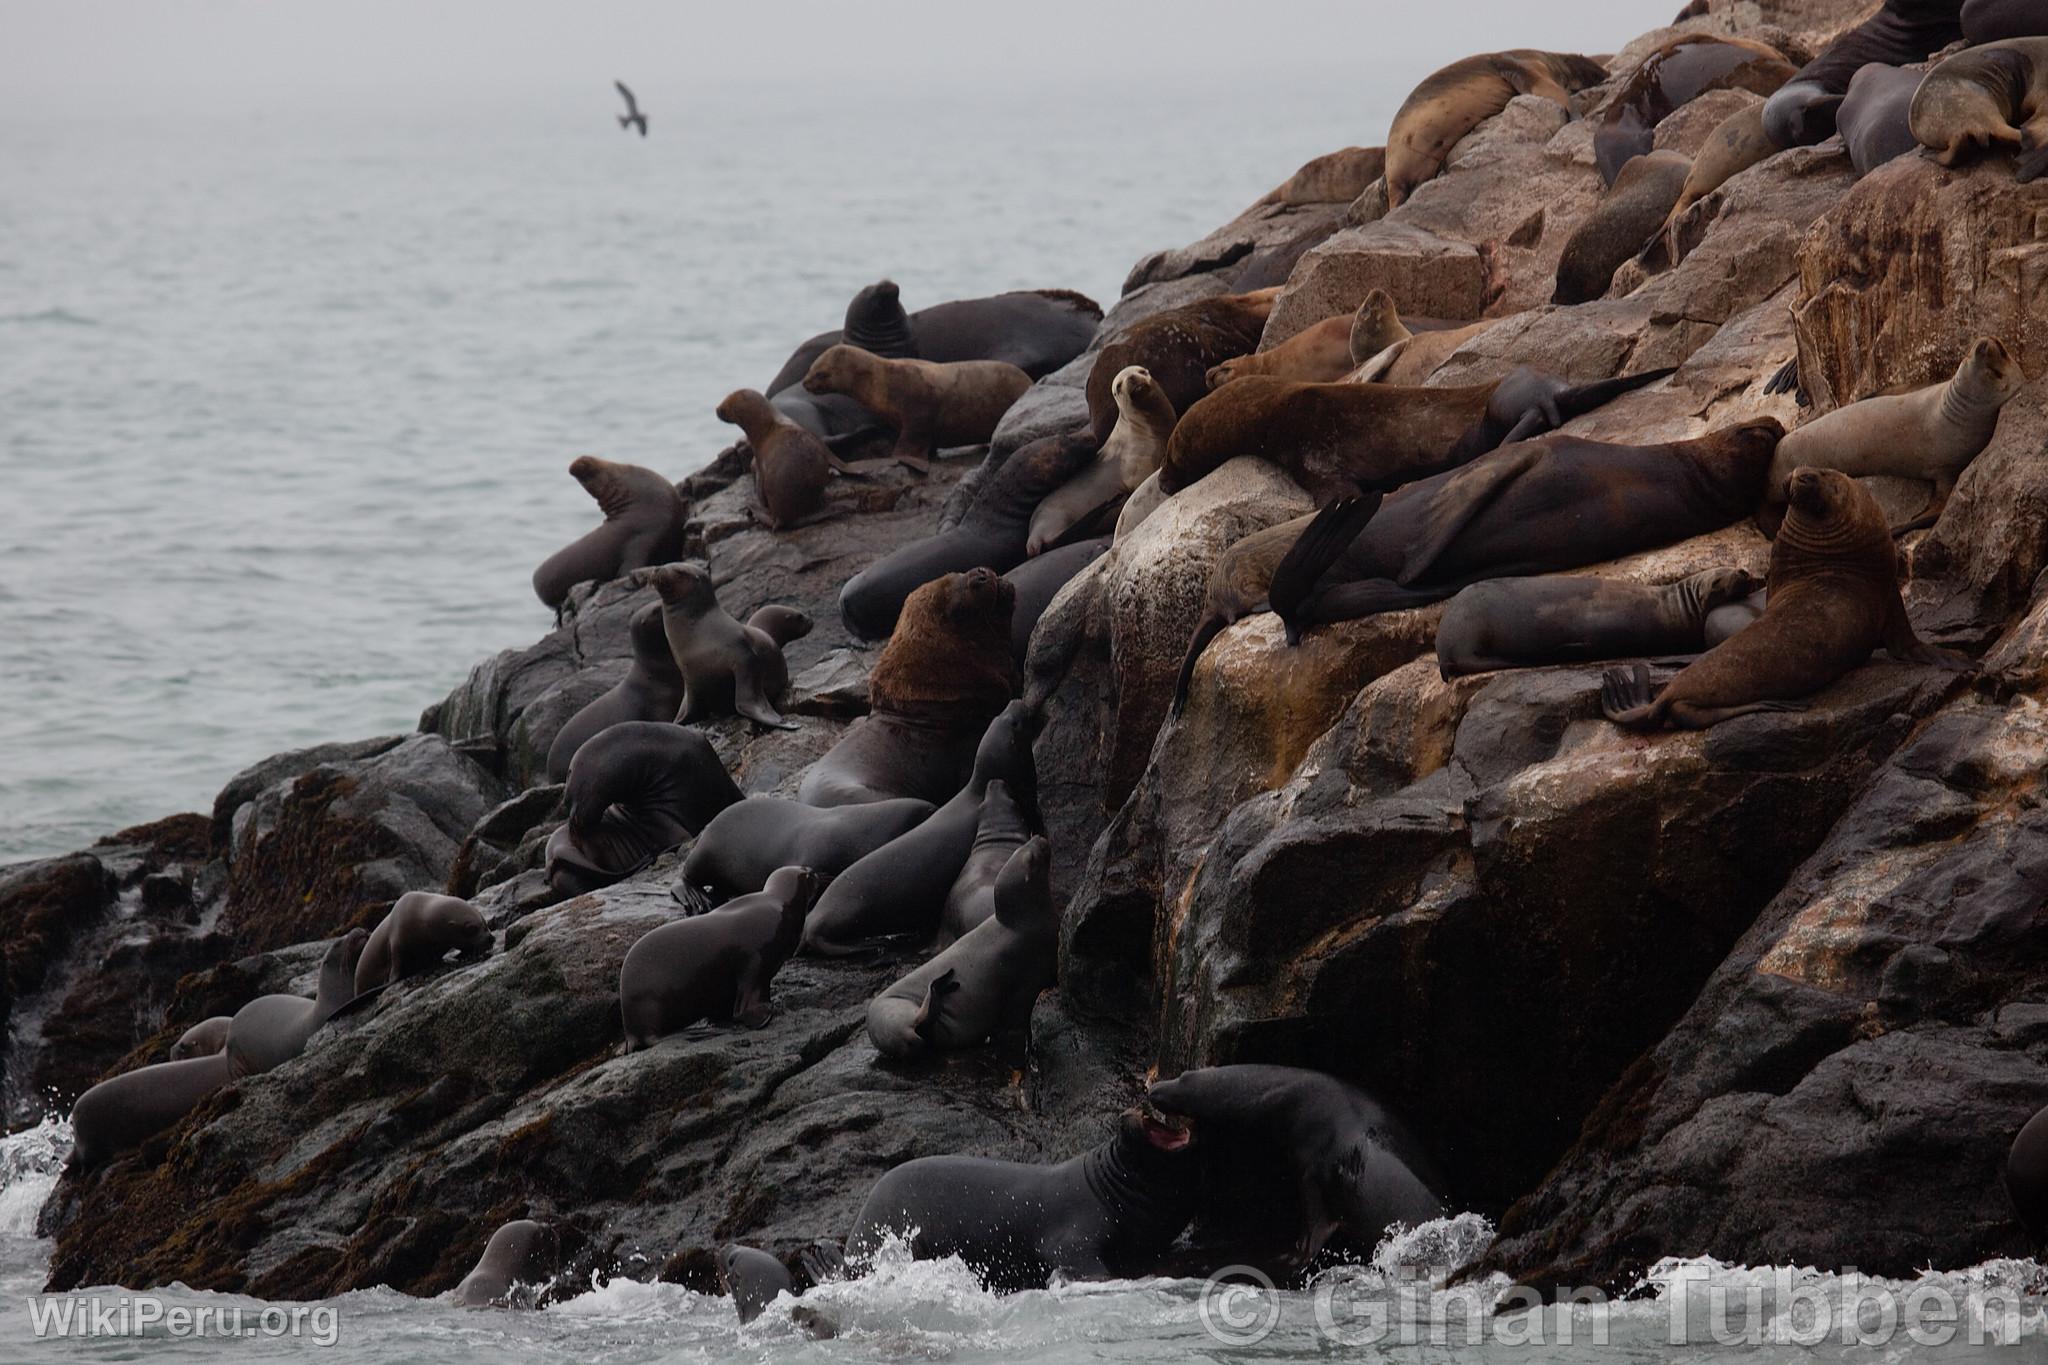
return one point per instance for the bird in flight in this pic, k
(632, 114)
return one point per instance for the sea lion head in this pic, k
(684, 587)
(650, 637)
(1990, 371)
(745, 408)
(1133, 387)
(1823, 496)
(881, 295)
(838, 370)
(1375, 326)
(463, 925)
(1026, 879)
(798, 888)
(1154, 1136)
(1755, 440)
(979, 597)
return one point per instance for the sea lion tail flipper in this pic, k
(749, 701)
(1321, 544)
(1529, 424)
(931, 1010)
(823, 1261)
(359, 1001)
(1576, 402)
(1627, 697)
(1461, 498)
(1206, 630)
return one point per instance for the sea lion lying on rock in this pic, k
(1453, 101)
(272, 1029)
(651, 690)
(1004, 827)
(1133, 451)
(635, 790)
(1876, 117)
(520, 1253)
(1629, 215)
(124, 1111)
(1802, 111)
(1323, 352)
(1833, 597)
(746, 842)
(932, 406)
(419, 931)
(983, 985)
(727, 668)
(946, 672)
(203, 1039)
(1675, 73)
(644, 518)
(1737, 143)
(717, 965)
(1038, 581)
(1987, 97)
(1989, 21)
(1552, 619)
(1178, 348)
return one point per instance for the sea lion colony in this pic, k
(920, 832)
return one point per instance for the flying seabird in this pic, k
(632, 114)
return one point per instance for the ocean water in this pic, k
(286, 404)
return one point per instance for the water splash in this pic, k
(30, 1162)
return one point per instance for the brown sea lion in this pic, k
(791, 466)
(1553, 618)
(1989, 21)
(1332, 178)
(203, 1039)
(1625, 218)
(643, 525)
(717, 965)
(945, 673)
(1675, 73)
(1833, 597)
(726, 667)
(1178, 348)
(1931, 433)
(1737, 143)
(1876, 117)
(651, 690)
(1145, 419)
(1415, 357)
(272, 1029)
(123, 1111)
(1323, 352)
(520, 1253)
(1453, 101)
(932, 406)
(420, 929)
(1987, 97)
(1803, 110)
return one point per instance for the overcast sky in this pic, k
(230, 54)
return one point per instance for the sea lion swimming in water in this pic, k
(635, 790)
(1987, 97)
(717, 965)
(1833, 597)
(644, 520)
(420, 929)
(1453, 101)
(651, 690)
(1803, 110)
(1675, 73)
(791, 465)
(1177, 348)
(272, 1029)
(726, 667)
(1145, 419)
(1528, 622)
(746, 842)
(522, 1252)
(932, 406)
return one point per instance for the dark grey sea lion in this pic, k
(1992, 21)
(748, 840)
(717, 965)
(1111, 1213)
(272, 1029)
(123, 1111)
(203, 1039)
(1525, 622)
(1876, 115)
(419, 931)
(635, 790)
(644, 518)
(651, 690)
(1676, 73)
(2026, 1176)
(1629, 215)
(727, 668)
(752, 1279)
(1003, 828)
(521, 1253)
(1803, 110)
(1039, 580)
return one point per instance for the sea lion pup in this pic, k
(635, 790)
(123, 1111)
(522, 1252)
(791, 465)
(1833, 597)
(1145, 419)
(1616, 229)
(420, 930)
(272, 1029)
(982, 986)
(901, 887)
(946, 672)
(1110, 1213)
(1737, 143)
(1338, 440)
(1803, 110)
(1987, 97)
(1323, 352)
(1676, 73)
(1038, 581)
(1876, 115)
(991, 534)
(716, 965)
(1526, 622)
(1295, 1156)
(744, 843)
(1458, 98)
(1989, 21)
(203, 1039)
(1931, 433)
(2026, 1176)
(643, 525)
(932, 406)
(1178, 348)
(651, 690)
(1004, 827)
(726, 667)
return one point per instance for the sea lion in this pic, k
(272, 1029)
(726, 667)
(1833, 597)
(1003, 828)
(1294, 1156)
(123, 1111)
(752, 1279)
(1177, 348)
(2026, 1176)
(1628, 216)
(933, 406)
(1675, 73)
(791, 465)
(1333, 178)
(946, 672)
(637, 789)
(901, 887)
(982, 986)
(1931, 433)
(1731, 617)
(1323, 352)
(991, 534)
(1737, 143)
(1142, 503)
(1038, 581)
(1109, 1214)
(716, 965)
(521, 1252)
(1414, 358)
(1987, 97)
(1554, 503)
(747, 841)
(1453, 101)
(643, 524)
(1338, 440)
(651, 690)
(1990, 21)
(203, 1039)
(1521, 622)
(1876, 115)
(1144, 421)
(419, 931)
(1803, 110)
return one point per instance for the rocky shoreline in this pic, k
(1775, 991)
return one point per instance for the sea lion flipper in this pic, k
(823, 1261)
(1462, 497)
(750, 701)
(930, 1010)
(1321, 543)
(2030, 165)
(1785, 378)
(1626, 696)
(750, 1003)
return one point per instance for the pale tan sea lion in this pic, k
(932, 406)
(1145, 419)
(1987, 97)
(1453, 101)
